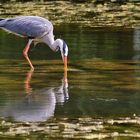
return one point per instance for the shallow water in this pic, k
(102, 82)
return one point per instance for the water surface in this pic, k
(102, 83)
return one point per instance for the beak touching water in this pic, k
(64, 53)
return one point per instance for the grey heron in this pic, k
(35, 28)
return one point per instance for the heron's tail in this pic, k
(1, 21)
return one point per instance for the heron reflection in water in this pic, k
(39, 105)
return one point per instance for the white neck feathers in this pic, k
(53, 44)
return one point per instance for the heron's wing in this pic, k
(28, 26)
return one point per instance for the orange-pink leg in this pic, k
(25, 53)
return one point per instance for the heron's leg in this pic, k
(25, 53)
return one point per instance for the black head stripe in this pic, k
(64, 47)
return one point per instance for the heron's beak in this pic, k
(64, 58)
(65, 62)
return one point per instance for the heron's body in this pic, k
(27, 26)
(34, 28)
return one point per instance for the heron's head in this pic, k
(64, 51)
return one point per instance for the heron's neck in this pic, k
(55, 44)
(49, 40)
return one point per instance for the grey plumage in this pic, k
(27, 26)
(36, 29)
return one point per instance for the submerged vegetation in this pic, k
(89, 13)
(80, 128)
